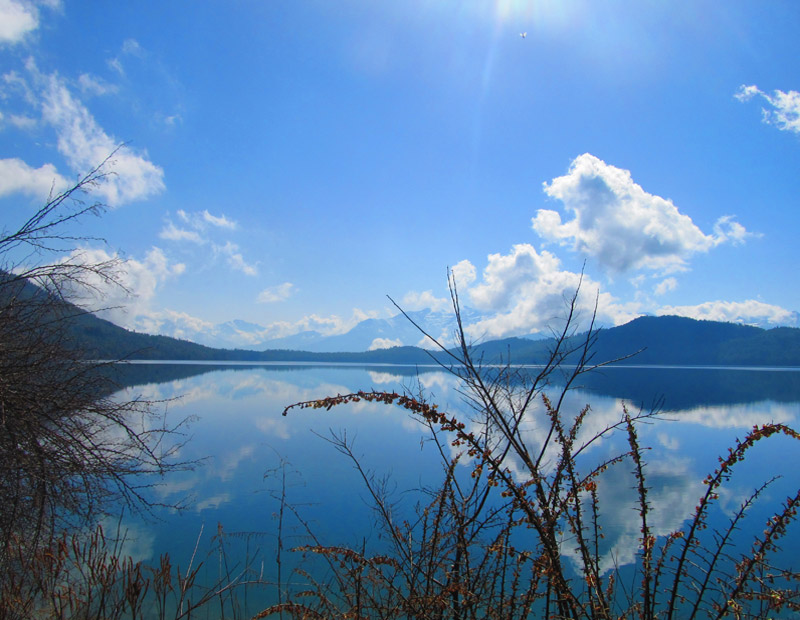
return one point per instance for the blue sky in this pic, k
(292, 163)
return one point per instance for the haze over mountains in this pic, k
(670, 340)
(369, 334)
(665, 340)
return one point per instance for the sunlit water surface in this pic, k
(249, 456)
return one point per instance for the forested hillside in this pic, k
(667, 340)
(670, 340)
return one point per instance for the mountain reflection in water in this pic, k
(242, 440)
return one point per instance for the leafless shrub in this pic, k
(494, 544)
(68, 450)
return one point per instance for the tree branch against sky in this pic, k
(290, 165)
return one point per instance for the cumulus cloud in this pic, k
(39, 183)
(505, 275)
(384, 378)
(326, 325)
(673, 493)
(273, 294)
(384, 343)
(726, 229)
(170, 322)
(526, 292)
(17, 19)
(127, 301)
(464, 274)
(784, 112)
(622, 226)
(746, 312)
(414, 300)
(740, 415)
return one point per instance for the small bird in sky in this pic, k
(523, 34)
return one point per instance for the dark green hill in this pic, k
(670, 340)
(673, 340)
(664, 340)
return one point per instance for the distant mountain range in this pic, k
(667, 340)
(366, 335)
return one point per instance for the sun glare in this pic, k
(529, 13)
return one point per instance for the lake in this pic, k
(250, 456)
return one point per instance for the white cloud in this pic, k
(527, 291)
(747, 312)
(741, 415)
(93, 85)
(170, 322)
(201, 220)
(384, 343)
(785, 111)
(235, 259)
(39, 183)
(326, 325)
(172, 233)
(426, 299)
(85, 144)
(116, 65)
(128, 175)
(16, 84)
(727, 229)
(746, 93)
(673, 494)
(17, 19)
(622, 226)
(273, 294)
(274, 427)
(384, 378)
(218, 221)
(665, 286)
(132, 47)
(128, 303)
(506, 274)
(21, 121)
(200, 227)
(213, 502)
(464, 274)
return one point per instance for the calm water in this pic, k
(246, 447)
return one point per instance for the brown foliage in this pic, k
(494, 545)
(68, 450)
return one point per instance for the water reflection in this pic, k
(241, 435)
